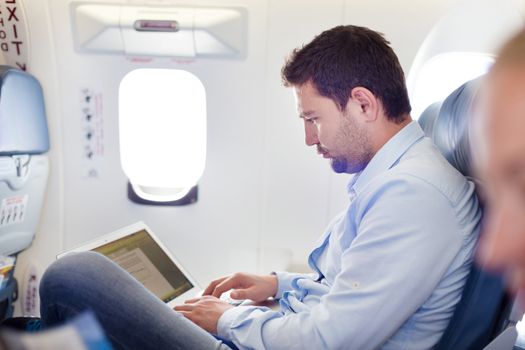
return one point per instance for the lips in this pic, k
(323, 152)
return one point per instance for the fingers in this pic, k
(192, 300)
(239, 294)
(197, 299)
(212, 285)
(184, 308)
(188, 314)
(235, 281)
(222, 287)
(238, 281)
(205, 312)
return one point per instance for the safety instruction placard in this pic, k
(13, 210)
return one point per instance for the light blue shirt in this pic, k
(388, 271)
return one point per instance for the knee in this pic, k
(67, 273)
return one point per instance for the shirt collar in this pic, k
(387, 156)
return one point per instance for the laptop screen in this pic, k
(142, 257)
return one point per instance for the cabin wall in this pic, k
(264, 197)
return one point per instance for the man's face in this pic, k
(338, 135)
(503, 169)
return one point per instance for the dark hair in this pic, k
(344, 57)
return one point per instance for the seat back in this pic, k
(24, 169)
(23, 166)
(484, 305)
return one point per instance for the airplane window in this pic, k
(162, 129)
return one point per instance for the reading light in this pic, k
(156, 26)
(162, 125)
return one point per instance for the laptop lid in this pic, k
(137, 250)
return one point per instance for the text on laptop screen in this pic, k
(142, 257)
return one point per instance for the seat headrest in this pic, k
(447, 123)
(428, 117)
(23, 125)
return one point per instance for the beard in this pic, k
(343, 165)
(339, 165)
(354, 143)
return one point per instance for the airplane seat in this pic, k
(484, 306)
(24, 168)
(427, 118)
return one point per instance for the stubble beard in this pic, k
(356, 146)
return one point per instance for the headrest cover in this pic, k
(447, 124)
(428, 117)
(23, 125)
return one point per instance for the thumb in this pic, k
(239, 294)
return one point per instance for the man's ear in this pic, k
(367, 102)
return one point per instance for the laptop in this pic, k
(137, 250)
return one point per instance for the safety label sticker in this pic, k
(13, 210)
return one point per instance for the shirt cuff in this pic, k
(226, 320)
(284, 282)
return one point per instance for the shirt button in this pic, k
(355, 285)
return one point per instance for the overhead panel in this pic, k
(159, 30)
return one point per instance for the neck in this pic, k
(388, 130)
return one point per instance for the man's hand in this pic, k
(246, 286)
(204, 311)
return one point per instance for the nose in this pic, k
(310, 132)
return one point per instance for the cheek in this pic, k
(327, 134)
(504, 236)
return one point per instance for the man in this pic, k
(388, 271)
(502, 163)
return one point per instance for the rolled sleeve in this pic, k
(407, 236)
(226, 320)
(285, 279)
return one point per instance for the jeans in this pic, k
(131, 316)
